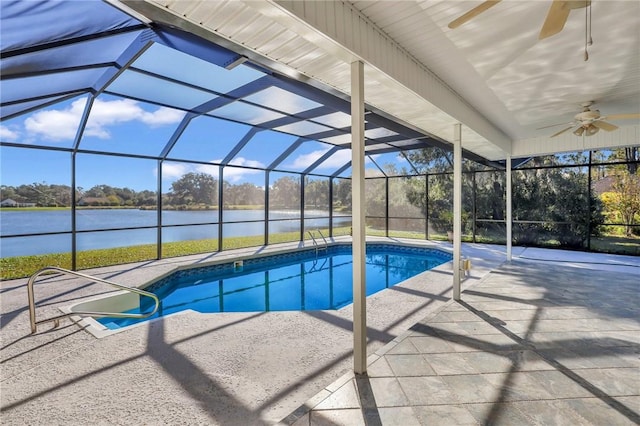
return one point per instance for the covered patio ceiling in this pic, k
(491, 74)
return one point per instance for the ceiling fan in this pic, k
(590, 122)
(553, 24)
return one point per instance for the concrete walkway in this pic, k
(551, 341)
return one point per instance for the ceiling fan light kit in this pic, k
(590, 122)
(588, 130)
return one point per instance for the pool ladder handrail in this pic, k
(315, 268)
(315, 243)
(56, 319)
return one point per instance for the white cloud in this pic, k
(62, 124)
(172, 171)
(161, 117)
(235, 174)
(56, 125)
(338, 159)
(6, 134)
(241, 161)
(305, 160)
(208, 169)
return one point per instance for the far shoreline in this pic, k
(153, 208)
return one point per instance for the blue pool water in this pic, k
(295, 281)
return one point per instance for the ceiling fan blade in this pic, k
(473, 13)
(622, 116)
(604, 125)
(556, 18)
(560, 132)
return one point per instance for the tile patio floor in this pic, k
(550, 338)
(533, 343)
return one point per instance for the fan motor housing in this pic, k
(587, 116)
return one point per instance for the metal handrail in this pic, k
(315, 268)
(56, 319)
(315, 243)
(323, 238)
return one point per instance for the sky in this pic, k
(129, 126)
(118, 124)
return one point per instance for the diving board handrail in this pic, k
(56, 319)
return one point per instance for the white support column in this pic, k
(358, 219)
(457, 208)
(509, 212)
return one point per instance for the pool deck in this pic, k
(552, 337)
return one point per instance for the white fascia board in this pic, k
(568, 142)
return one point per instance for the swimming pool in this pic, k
(300, 280)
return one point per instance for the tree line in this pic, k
(550, 195)
(192, 190)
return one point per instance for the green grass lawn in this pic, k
(24, 266)
(616, 244)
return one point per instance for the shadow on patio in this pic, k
(532, 343)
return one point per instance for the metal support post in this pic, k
(358, 218)
(457, 208)
(509, 207)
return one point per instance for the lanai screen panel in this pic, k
(52, 126)
(284, 207)
(189, 70)
(244, 112)
(208, 139)
(282, 100)
(304, 156)
(263, 148)
(123, 125)
(141, 109)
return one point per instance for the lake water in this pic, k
(33, 222)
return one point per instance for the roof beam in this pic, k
(140, 45)
(236, 149)
(66, 42)
(341, 169)
(286, 153)
(369, 156)
(301, 116)
(234, 95)
(320, 160)
(176, 134)
(46, 103)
